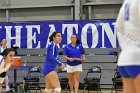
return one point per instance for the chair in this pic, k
(113, 53)
(92, 80)
(62, 74)
(117, 82)
(32, 80)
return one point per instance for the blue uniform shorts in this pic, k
(47, 70)
(129, 71)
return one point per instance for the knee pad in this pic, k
(48, 90)
(57, 89)
(0, 87)
(6, 77)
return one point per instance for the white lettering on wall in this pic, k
(70, 28)
(95, 35)
(32, 36)
(111, 36)
(17, 35)
(52, 29)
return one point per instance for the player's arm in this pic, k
(4, 69)
(52, 57)
(120, 26)
(65, 53)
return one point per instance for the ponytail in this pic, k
(53, 35)
(78, 41)
(7, 51)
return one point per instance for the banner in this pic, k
(92, 34)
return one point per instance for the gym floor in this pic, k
(81, 91)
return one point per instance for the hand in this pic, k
(62, 66)
(82, 60)
(79, 59)
(71, 59)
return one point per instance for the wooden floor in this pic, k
(81, 91)
(103, 91)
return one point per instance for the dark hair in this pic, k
(7, 51)
(53, 35)
(77, 41)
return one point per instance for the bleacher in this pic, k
(96, 56)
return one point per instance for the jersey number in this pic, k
(127, 12)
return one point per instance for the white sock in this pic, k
(72, 92)
(7, 83)
(48, 90)
(7, 88)
(0, 87)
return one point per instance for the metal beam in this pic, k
(77, 9)
(72, 13)
(103, 3)
(7, 16)
(90, 12)
(36, 6)
(7, 11)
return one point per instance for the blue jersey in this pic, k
(1, 57)
(52, 59)
(0, 49)
(128, 32)
(73, 52)
(1, 61)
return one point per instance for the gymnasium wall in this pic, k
(44, 10)
(54, 10)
